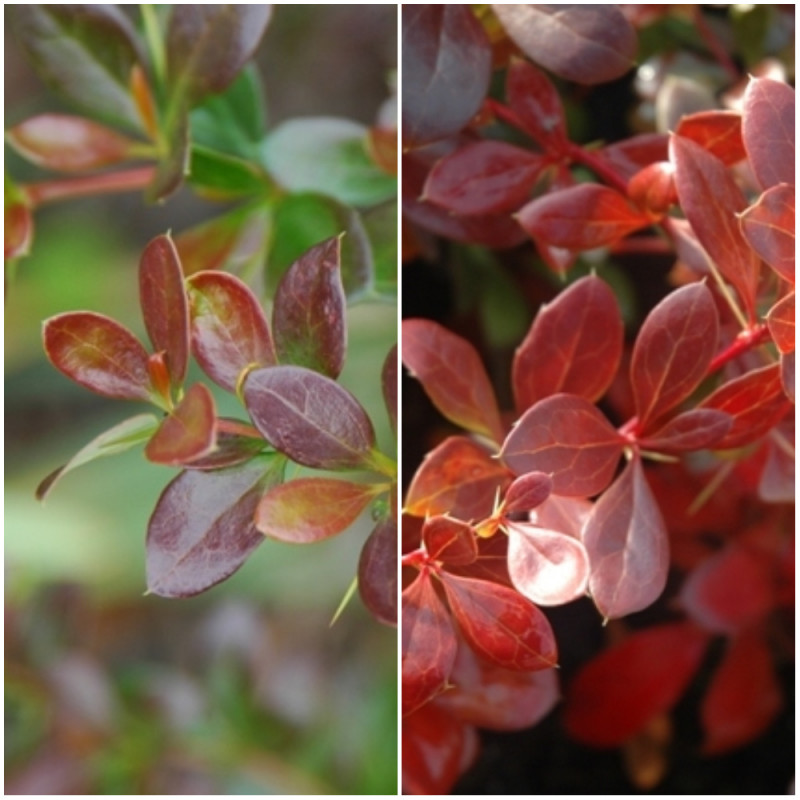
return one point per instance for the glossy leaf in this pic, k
(711, 201)
(229, 330)
(164, 305)
(615, 695)
(536, 102)
(459, 477)
(308, 314)
(202, 530)
(309, 417)
(628, 547)
(527, 492)
(377, 572)
(389, 386)
(696, 429)
(308, 510)
(450, 370)
(188, 432)
(781, 324)
(674, 347)
(429, 644)
(566, 437)
(450, 541)
(584, 43)
(500, 624)
(581, 217)
(769, 227)
(719, 132)
(548, 567)
(573, 346)
(447, 63)
(768, 130)
(118, 439)
(99, 354)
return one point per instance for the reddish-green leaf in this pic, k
(450, 541)
(229, 329)
(614, 696)
(389, 386)
(780, 320)
(501, 624)
(536, 102)
(584, 43)
(458, 477)
(484, 177)
(573, 346)
(580, 217)
(164, 305)
(548, 567)
(308, 315)
(429, 644)
(711, 200)
(527, 492)
(743, 698)
(202, 530)
(98, 353)
(693, 430)
(18, 222)
(450, 370)
(309, 417)
(447, 62)
(308, 510)
(768, 225)
(719, 132)
(768, 130)
(188, 432)
(674, 347)
(628, 547)
(377, 572)
(566, 437)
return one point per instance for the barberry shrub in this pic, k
(642, 457)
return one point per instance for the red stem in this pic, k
(596, 163)
(88, 185)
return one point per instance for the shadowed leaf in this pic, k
(389, 386)
(527, 492)
(377, 572)
(769, 227)
(450, 540)
(781, 324)
(536, 103)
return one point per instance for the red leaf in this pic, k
(501, 624)
(450, 370)
(580, 217)
(569, 439)
(230, 331)
(18, 225)
(164, 305)
(377, 572)
(536, 102)
(429, 644)
(744, 696)
(787, 374)
(653, 188)
(719, 132)
(565, 514)
(615, 695)
(450, 541)
(99, 354)
(673, 350)
(447, 63)
(573, 346)
(309, 418)
(308, 510)
(231, 449)
(692, 430)
(66, 143)
(768, 130)
(459, 477)
(584, 43)
(628, 548)
(484, 177)
(188, 432)
(711, 201)
(389, 386)
(768, 225)
(308, 314)
(547, 567)
(527, 492)
(636, 152)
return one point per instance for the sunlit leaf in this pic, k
(719, 132)
(377, 572)
(769, 227)
(527, 492)
(449, 540)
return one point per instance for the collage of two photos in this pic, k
(399, 399)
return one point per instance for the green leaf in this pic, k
(381, 226)
(221, 177)
(174, 163)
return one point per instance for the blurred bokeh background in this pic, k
(245, 689)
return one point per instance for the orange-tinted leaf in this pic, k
(527, 492)
(781, 324)
(377, 572)
(696, 429)
(98, 353)
(450, 541)
(450, 370)
(573, 346)
(768, 225)
(536, 103)
(500, 624)
(653, 188)
(719, 132)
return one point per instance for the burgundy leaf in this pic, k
(429, 644)
(447, 62)
(780, 320)
(377, 572)
(98, 353)
(573, 346)
(450, 541)
(450, 370)
(568, 438)
(389, 386)
(527, 492)
(202, 530)
(719, 132)
(536, 102)
(673, 350)
(692, 430)
(788, 374)
(231, 448)
(164, 305)
(229, 329)
(584, 43)
(768, 225)
(309, 417)
(501, 624)
(308, 314)
(188, 432)
(628, 548)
